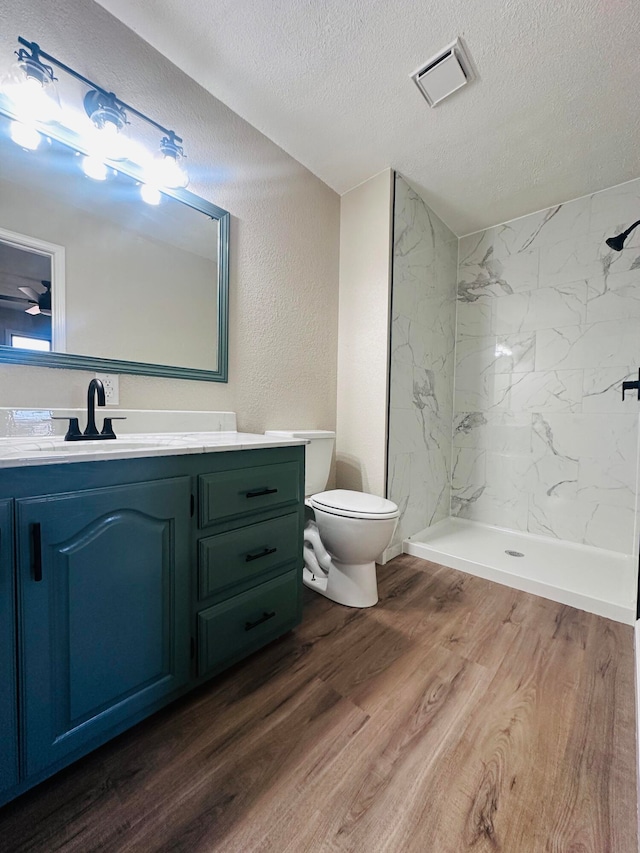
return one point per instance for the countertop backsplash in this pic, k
(34, 422)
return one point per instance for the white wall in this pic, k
(363, 335)
(284, 235)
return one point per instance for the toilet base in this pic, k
(351, 585)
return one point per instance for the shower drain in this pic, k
(514, 553)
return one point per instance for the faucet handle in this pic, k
(631, 386)
(107, 427)
(73, 431)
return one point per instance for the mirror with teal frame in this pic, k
(130, 287)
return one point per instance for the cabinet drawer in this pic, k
(244, 621)
(248, 552)
(246, 490)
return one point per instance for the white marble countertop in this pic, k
(50, 450)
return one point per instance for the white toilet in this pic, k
(351, 529)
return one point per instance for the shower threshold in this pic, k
(591, 579)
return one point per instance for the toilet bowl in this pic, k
(354, 528)
(350, 530)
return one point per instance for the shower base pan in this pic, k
(591, 579)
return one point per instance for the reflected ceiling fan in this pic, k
(40, 302)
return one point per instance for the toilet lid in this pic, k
(354, 504)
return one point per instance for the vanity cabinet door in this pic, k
(104, 607)
(8, 688)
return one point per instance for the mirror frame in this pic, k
(10, 355)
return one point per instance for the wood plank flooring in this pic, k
(457, 715)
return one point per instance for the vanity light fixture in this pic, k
(31, 88)
(170, 171)
(94, 167)
(25, 135)
(109, 121)
(150, 194)
(31, 85)
(617, 243)
(104, 110)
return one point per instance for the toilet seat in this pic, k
(349, 504)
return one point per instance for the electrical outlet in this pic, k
(111, 388)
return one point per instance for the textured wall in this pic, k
(363, 336)
(547, 329)
(284, 235)
(422, 361)
(551, 117)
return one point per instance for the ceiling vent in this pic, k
(444, 74)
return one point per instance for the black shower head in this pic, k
(617, 243)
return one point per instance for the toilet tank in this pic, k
(317, 458)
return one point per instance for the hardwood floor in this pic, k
(457, 715)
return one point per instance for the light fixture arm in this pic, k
(170, 145)
(630, 229)
(33, 61)
(37, 55)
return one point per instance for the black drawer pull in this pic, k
(36, 552)
(260, 492)
(264, 553)
(264, 618)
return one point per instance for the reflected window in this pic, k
(25, 342)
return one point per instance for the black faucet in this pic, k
(96, 388)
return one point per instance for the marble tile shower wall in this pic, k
(548, 326)
(422, 363)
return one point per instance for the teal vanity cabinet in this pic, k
(124, 584)
(8, 685)
(104, 610)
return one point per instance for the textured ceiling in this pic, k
(555, 113)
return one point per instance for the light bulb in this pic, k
(93, 167)
(107, 137)
(169, 173)
(113, 141)
(150, 194)
(25, 135)
(32, 99)
(106, 143)
(167, 169)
